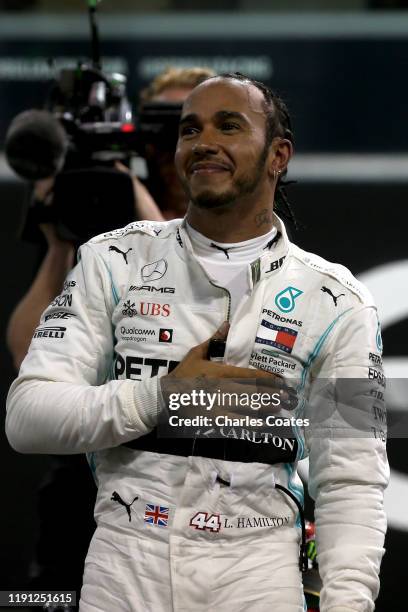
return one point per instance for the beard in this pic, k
(245, 185)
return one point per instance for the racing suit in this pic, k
(187, 527)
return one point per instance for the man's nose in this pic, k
(205, 147)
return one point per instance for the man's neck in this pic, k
(231, 224)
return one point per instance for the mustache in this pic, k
(201, 160)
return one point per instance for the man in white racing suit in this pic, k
(204, 524)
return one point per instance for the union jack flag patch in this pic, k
(156, 515)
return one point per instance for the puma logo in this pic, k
(113, 248)
(225, 251)
(335, 297)
(274, 240)
(117, 498)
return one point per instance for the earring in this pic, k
(276, 174)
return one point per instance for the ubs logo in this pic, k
(145, 309)
(155, 310)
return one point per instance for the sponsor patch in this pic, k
(275, 265)
(128, 506)
(59, 314)
(376, 375)
(137, 368)
(134, 334)
(152, 289)
(128, 309)
(285, 300)
(178, 238)
(278, 317)
(154, 310)
(375, 358)
(378, 339)
(331, 294)
(145, 309)
(123, 253)
(50, 332)
(165, 335)
(63, 300)
(68, 285)
(280, 337)
(153, 271)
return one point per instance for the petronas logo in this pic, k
(378, 338)
(285, 300)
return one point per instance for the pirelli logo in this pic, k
(50, 332)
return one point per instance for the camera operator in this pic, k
(163, 187)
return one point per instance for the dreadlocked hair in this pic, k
(278, 123)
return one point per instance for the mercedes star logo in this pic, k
(153, 271)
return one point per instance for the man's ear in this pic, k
(280, 152)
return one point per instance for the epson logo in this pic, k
(379, 377)
(152, 289)
(65, 299)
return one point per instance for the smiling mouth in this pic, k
(208, 168)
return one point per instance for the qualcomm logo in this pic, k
(285, 300)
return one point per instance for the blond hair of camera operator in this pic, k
(172, 85)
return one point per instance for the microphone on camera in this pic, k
(36, 144)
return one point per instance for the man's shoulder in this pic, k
(333, 271)
(154, 229)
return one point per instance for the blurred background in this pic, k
(341, 67)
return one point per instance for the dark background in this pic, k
(346, 96)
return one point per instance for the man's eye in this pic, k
(227, 126)
(188, 130)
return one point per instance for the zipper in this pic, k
(227, 319)
(229, 298)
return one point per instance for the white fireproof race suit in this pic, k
(184, 527)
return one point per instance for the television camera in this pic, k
(86, 126)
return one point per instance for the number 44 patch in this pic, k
(205, 521)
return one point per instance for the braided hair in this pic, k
(278, 123)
